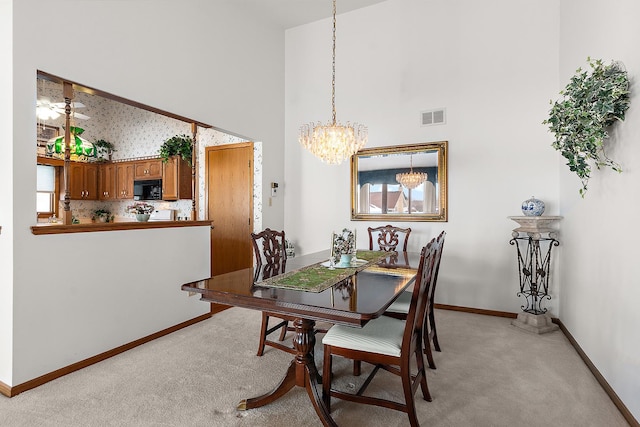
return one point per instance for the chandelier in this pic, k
(411, 179)
(334, 142)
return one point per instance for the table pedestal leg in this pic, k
(302, 372)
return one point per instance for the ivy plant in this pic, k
(592, 101)
(181, 145)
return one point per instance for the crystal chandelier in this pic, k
(332, 143)
(411, 179)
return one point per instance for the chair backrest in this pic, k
(412, 337)
(388, 238)
(436, 267)
(270, 252)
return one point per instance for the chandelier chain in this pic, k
(333, 142)
(333, 69)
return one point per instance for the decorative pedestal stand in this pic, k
(533, 269)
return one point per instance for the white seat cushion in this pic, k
(382, 335)
(401, 304)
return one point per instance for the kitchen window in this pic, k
(46, 191)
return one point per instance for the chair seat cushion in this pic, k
(401, 304)
(382, 335)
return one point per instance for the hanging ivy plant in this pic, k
(181, 145)
(590, 103)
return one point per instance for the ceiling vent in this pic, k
(433, 117)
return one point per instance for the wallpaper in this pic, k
(138, 133)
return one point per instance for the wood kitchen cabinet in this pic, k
(107, 189)
(176, 179)
(124, 180)
(148, 169)
(83, 181)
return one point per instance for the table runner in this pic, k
(317, 278)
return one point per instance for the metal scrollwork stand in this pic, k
(534, 260)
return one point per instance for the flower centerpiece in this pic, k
(343, 246)
(141, 210)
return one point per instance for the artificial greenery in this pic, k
(181, 145)
(102, 213)
(591, 102)
(101, 143)
(103, 148)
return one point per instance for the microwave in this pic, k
(150, 189)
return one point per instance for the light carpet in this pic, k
(489, 373)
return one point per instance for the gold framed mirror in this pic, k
(377, 195)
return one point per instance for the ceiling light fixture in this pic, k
(332, 143)
(411, 179)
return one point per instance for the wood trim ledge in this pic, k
(46, 228)
(476, 311)
(17, 389)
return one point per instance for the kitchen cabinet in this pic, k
(107, 182)
(124, 180)
(148, 169)
(176, 179)
(83, 181)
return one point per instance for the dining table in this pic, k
(310, 289)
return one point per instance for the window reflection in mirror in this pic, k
(376, 193)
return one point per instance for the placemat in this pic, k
(317, 278)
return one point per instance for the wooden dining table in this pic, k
(364, 295)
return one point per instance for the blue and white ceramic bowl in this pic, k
(532, 207)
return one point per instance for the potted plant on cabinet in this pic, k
(181, 145)
(590, 103)
(104, 149)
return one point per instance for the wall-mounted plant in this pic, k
(181, 145)
(590, 103)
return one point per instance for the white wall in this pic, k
(6, 193)
(600, 270)
(493, 66)
(202, 60)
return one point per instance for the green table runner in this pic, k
(317, 278)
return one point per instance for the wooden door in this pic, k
(124, 180)
(170, 179)
(229, 179)
(107, 182)
(148, 169)
(91, 182)
(76, 181)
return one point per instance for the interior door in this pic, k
(229, 177)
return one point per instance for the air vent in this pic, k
(433, 117)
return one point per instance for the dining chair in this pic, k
(271, 258)
(400, 308)
(387, 343)
(388, 238)
(391, 239)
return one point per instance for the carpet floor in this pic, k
(489, 373)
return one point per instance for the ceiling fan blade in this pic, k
(73, 114)
(79, 116)
(73, 104)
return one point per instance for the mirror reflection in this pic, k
(403, 182)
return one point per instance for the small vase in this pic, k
(143, 217)
(532, 207)
(345, 260)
